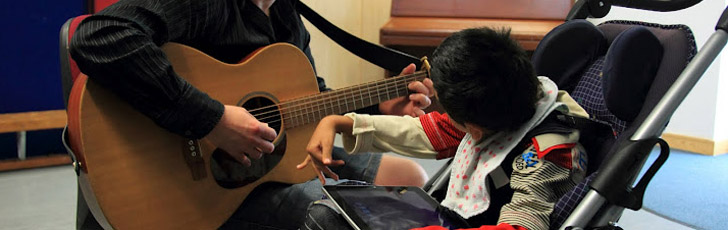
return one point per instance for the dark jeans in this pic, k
(282, 206)
(276, 205)
(322, 215)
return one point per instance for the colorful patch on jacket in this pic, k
(527, 162)
(579, 163)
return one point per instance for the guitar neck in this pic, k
(306, 110)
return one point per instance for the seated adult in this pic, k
(119, 49)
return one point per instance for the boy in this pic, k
(499, 127)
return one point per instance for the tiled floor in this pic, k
(45, 198)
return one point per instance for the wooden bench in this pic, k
(20, 123)
(418, 26)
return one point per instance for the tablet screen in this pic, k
(390, 207)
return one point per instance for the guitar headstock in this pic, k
(425, 65)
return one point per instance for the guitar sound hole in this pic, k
(265, 110)
(230, 173)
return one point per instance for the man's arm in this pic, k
(119, 48)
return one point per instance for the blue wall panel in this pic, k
(29, 63)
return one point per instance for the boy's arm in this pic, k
(408, 136)
(428, 136)
(443, 135)
(381, 133)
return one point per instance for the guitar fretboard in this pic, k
(305, 110)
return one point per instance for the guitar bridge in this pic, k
(192, 153)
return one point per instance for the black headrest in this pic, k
(631, 62)
(567, 50)
(630, 67)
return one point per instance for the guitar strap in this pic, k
(381, 56)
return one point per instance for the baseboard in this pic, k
(35, 162)
(696, 144)
(721, 147)
(29, 121)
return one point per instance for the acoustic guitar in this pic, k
(136, 175)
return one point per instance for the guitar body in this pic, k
(136, 175)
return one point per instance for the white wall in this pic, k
(721, 123)
(704, 113)
(362, 18)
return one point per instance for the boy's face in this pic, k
(477, 132)
(461, 127)
(458, 125)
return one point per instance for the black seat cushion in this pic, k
(629, 68)
(566, 51)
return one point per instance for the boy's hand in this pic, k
(321, 143)
(413, 104)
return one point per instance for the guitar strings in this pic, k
(303, 107)
(298, 119)
(347, 97)
(303, 112)
(394, 87)
(348, 93)
(387, 83)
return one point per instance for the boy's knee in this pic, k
(400, 171)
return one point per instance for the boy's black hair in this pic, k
(484, 77)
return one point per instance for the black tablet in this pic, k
(390, 207)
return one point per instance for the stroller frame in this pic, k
(611, 190)
(613, 187)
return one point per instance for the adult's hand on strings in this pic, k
(412, 104)
(241, 135)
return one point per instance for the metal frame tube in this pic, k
(441, 180)
(584, 212)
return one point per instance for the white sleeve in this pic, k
(403, 135)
